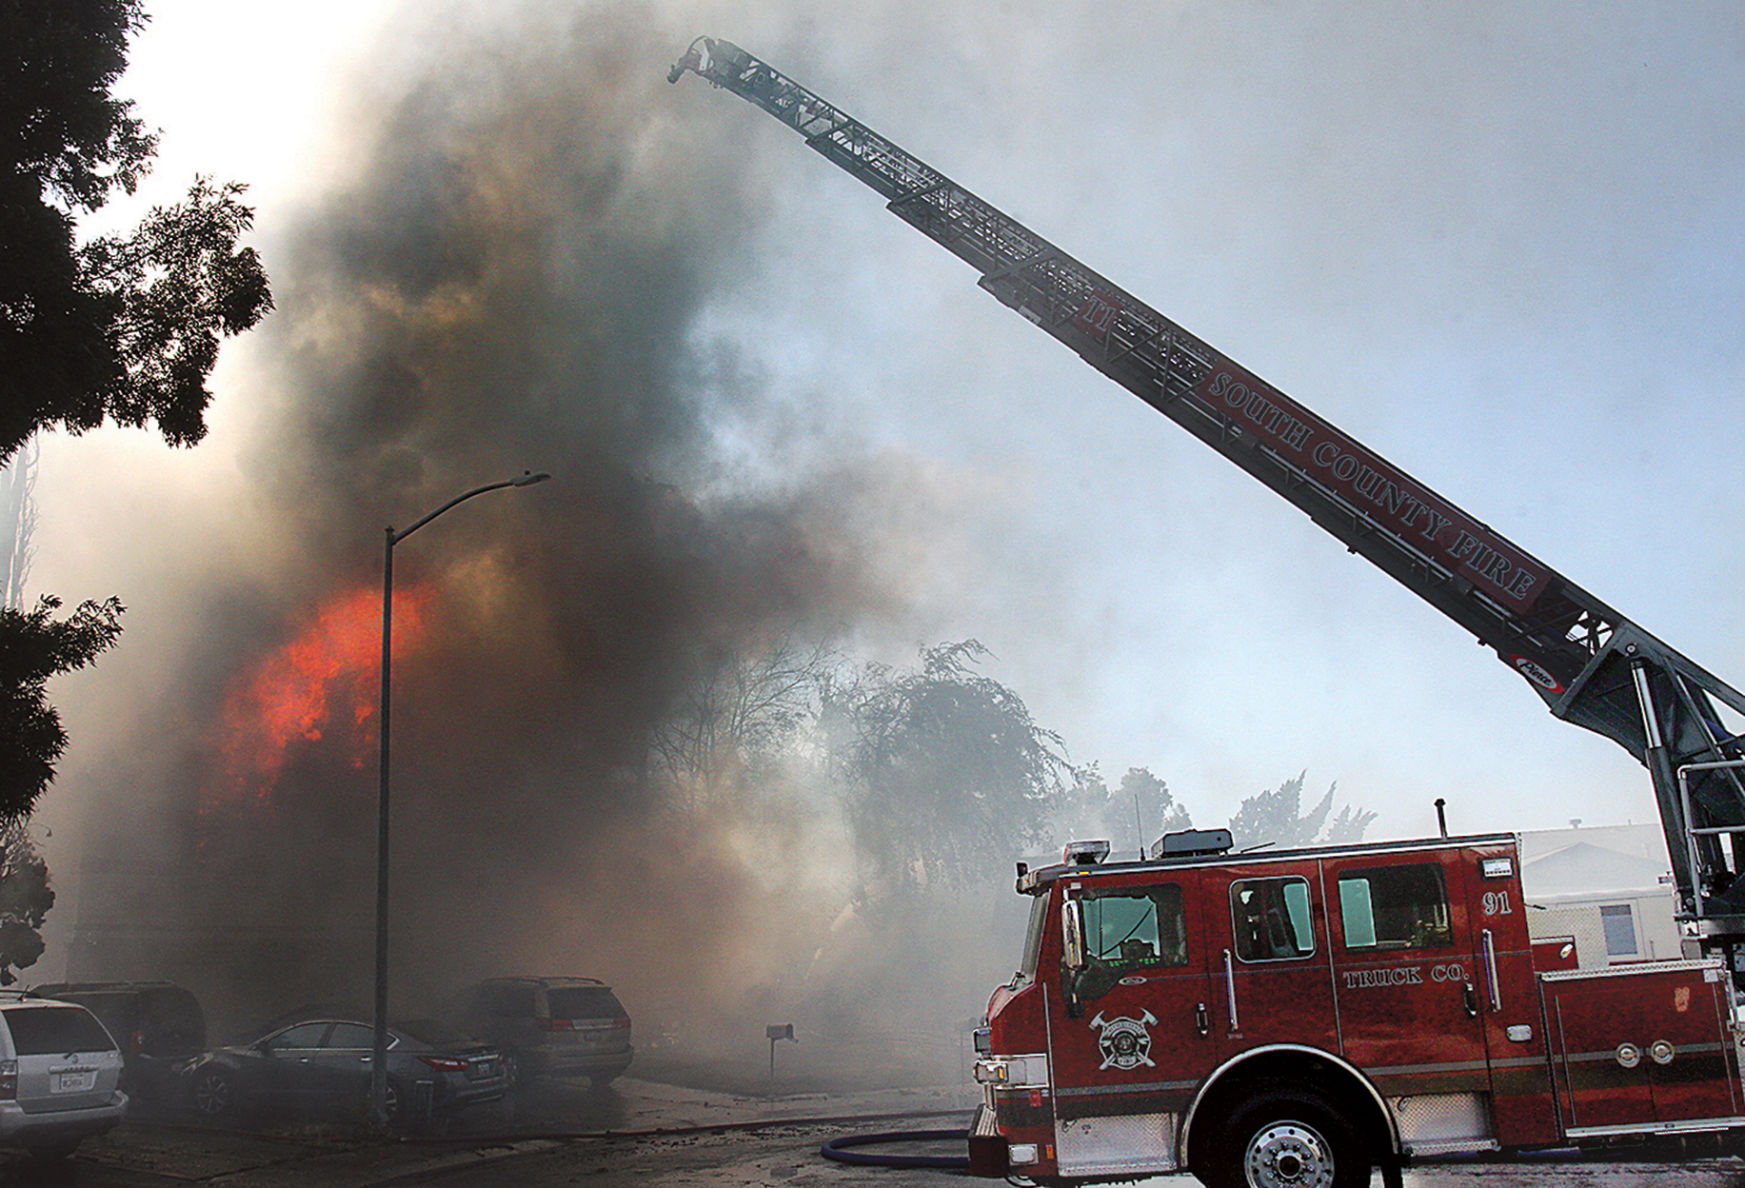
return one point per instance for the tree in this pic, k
(25, 898)
(738, 711)
(122, 328)
(1274, 818)
(946, 775)
(35, 646)
(1142, 808)
(17, 526)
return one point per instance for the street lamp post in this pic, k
(379, 1052)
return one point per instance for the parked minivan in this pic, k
(158, 1025)
(557, 1027)
(60, 1075)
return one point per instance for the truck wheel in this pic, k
(1287, 1139)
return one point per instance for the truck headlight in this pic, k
(1019, 1072)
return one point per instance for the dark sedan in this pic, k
(324, 1063)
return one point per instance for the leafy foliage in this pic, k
(1142, 808)
(25, 898)
(1275, 818)
(124, 328)
(63, 130)
(946, 775)
(738, 712)
(35, 646)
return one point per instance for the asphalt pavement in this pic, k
(648, 1133)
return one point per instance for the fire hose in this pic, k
(837, 1149)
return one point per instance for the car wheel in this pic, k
(1288, 1139)
(214, 1093)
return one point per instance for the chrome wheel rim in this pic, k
(212, 1095)
(1288, 1155)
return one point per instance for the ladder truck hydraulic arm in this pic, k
(1590, 664)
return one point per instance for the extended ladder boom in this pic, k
(1591, 665)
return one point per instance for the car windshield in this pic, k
(46, 1030)
(583, 1002)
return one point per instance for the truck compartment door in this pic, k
(1640, 1046)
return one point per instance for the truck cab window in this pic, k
(1395, 907)
(1136, 927)
(1270, 919)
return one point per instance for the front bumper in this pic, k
(988, 1153)
(1014, 1126)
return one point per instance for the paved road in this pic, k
(667, 1137)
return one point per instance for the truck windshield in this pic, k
(1136, 926)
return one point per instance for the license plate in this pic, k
(74, 1082)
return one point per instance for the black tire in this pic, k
(214, 1094)
(1287, 1138)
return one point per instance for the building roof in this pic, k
(1584, 868)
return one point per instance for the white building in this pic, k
(1608, 889)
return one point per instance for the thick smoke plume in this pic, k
(512, 273)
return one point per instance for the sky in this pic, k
(1498, 244)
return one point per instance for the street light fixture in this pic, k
(379, 1053)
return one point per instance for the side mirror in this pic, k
(1072, 954)
(1072, 934)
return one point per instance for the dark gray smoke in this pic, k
(514, 275)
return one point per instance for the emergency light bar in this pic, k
(1191, 841)
(1085, 853)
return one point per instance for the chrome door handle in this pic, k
(1490, 968)
(1230, 989)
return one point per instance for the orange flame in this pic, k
(322, 685)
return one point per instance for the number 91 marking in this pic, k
(1496, 903)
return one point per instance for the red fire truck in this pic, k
(1295, 1018)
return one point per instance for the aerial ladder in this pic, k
(1590, 664)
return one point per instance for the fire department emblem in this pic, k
(1125, 1042)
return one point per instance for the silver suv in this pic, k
(59, 1072)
